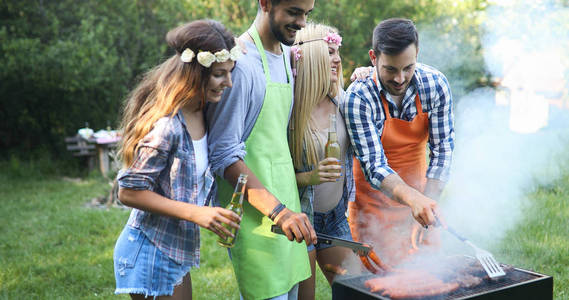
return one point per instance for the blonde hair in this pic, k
(312, 84)
(168, 87)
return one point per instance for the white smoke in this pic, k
(510, 140)
(499, 157)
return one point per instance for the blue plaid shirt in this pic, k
(364, 116)
(165, 163)
(306, 193)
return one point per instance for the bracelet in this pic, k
(276, 211)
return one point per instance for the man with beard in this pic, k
(390, 117)
(248, 134)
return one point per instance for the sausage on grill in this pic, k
(409, 284)
(368, 265)
(378, 261)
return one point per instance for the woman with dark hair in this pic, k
(166, 176)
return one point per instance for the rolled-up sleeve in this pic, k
(150, 159)
(226, 124)
(365, 136)
(441, 132)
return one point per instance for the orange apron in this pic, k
(374, 217)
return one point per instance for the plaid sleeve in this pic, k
(441, 131)
(150, 159)
(359, 110)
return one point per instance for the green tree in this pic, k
(70, 62)
(67, 62)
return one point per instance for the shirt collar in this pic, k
(411, 89)
(180, 116)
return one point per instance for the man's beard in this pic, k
(392, 91)
(279, 35)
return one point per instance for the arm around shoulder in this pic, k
(227, 122)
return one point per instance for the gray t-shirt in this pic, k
(231, 120)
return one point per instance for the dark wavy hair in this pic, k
(392, 36)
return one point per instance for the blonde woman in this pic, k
(166, 176)
(325, 184)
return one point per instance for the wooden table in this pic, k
(104, 146)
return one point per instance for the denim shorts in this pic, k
(333, 223)
(141, 268)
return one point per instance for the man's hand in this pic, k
(423, 209)
(296, 226)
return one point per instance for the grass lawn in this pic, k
(52, 246)
(541, 240)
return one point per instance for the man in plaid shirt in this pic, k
(390, 118)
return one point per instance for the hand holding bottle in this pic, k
(328, 170)
(214, 218)
(235, 206)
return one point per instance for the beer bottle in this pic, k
(332, 146)
(235, 205)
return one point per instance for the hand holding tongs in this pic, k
(358, 248)
(362, 250)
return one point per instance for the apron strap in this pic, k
(382, 97)
(384, 101)
(257, 39)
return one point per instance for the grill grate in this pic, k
(517, 284)
(511, 279)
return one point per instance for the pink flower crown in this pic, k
(330, 38)
(333, 38)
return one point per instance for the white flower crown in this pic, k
(206, 58)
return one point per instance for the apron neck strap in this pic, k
(381, 96)
(257, 39)
(384, 100)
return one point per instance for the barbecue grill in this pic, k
(517, 284)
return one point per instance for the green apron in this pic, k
(267, 264)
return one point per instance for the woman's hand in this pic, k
(328, 170)
(214, 218)
(361, 73)
(241, 45)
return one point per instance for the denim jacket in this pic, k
(165, 163)
(306, 193)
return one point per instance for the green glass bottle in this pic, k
(235, 205)
(332, 147)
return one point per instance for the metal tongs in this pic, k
(486, 259)
(362, 250)
(358, 248)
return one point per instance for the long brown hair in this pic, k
(171, 85)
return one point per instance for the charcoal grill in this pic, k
(518, 284)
